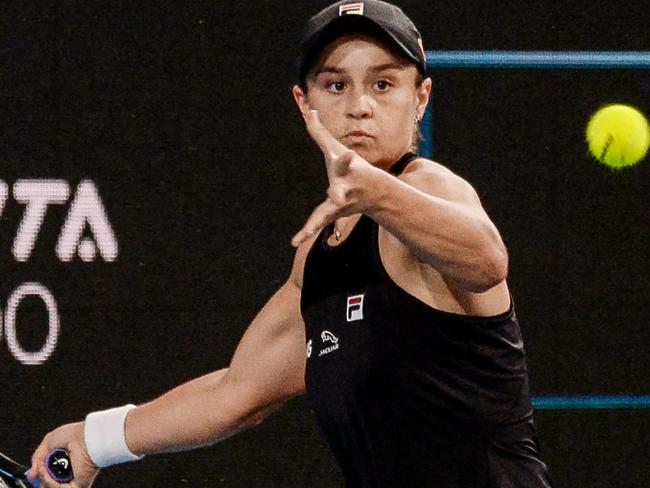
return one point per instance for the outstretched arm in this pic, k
(267, 369)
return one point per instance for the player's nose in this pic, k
(359, 105)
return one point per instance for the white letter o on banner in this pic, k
(26, 357)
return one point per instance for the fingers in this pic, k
(48, 482)
(337, 156)
(70, 437)
(323, 215)
(38, 470)
(326, 141)
(338, 196)
(38, 460)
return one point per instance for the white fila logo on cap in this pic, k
(351, 9)
(355, 308)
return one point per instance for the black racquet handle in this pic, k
(59, 466)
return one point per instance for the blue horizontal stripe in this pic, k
(591, 402)
(538, 59)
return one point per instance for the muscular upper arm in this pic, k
(268, 366)
(474, 258)
(434, 179)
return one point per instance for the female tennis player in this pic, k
(396, 318)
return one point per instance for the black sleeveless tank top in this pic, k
(407, 395)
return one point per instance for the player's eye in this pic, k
(382, 85)
(336, 87)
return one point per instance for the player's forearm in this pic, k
(267, 369)
(458, 242)
(198, 413)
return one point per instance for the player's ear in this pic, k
(424, 92)
(301, 99)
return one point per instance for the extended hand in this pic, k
(70, 437)
(345, 168)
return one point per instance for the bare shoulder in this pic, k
(437, 180)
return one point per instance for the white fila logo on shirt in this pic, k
(351, 9)
(355, 308)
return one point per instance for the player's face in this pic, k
(367, 97)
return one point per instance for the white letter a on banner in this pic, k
(86, 208)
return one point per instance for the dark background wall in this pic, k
(181, 116)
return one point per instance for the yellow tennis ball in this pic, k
(618, 136)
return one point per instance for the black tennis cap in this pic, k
(373, 17)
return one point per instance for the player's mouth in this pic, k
(357, 136)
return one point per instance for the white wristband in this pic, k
(105, 438)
